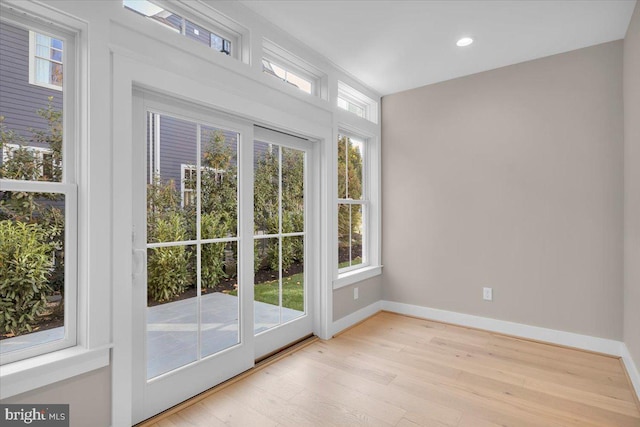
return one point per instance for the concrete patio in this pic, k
(172, 338)
(172, 330)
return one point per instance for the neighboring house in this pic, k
(172, 151)
(30, 74)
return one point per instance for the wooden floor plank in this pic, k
(393, 370)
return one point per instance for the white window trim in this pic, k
(208, 18)
(363, 202)
(279, 56)
(371, 266)
(32, 61)
(355, 97)
(312, 84)
(87, 353)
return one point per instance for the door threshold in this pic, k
(260, 363)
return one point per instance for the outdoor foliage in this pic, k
(350, 169)
(171, 269)
(31, 225)
(266, 207)
(168, 267)
(26, 260)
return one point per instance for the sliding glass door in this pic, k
(222, 249)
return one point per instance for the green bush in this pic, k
(26, 263)
(212, 255)
(168, 269)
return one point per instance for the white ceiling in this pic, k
(397, 45)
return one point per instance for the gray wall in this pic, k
(369, 292)
(88, 397)
(632, 187)
(513, 179)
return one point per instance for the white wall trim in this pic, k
(569, 339)
(50, 368)
(553, 336)
(355, 317)
(632, 369)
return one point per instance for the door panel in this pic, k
(216, 289)
(282, 214)
(193, 318)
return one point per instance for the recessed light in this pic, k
(465, 41)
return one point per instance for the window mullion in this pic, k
(198, 239)
(280, 242)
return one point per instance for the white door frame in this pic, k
(281, 335)
(252, 102)
(157, 394)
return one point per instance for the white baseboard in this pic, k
(553, 336)
(569, 339)
(355, 317)
(632, 369)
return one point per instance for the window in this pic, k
(43, 162)
(38, 207)
(294, 71)
(45, 61)
(357, 103)
(189, 181)
(177, 23)
(352, 203)
(287, 76)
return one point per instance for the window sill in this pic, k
(354, 276)
(29, 374)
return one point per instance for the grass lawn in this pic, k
(292, 292)
(354, 261)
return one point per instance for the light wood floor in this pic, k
(394, 370)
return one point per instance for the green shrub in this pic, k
(212, 255)
(26, 263)
(168, 267)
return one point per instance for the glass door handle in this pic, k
(139, 263)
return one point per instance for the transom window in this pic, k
(356, 102)
(45, 60)
(180, 25)
(295, 80)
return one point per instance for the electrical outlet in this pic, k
(355, 293)
(487, 294)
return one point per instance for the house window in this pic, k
(43, 163)
(38, 206)
(45, 60)
(352, 203)
(292, 70)
(295, 80)
(356, 102)
(217, 40)
(189, 182)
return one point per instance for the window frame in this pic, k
(280, 57)
(352, 96)
(68, 187)
(92, 317)
(364, 203)
(206, 21)
(32, 60)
